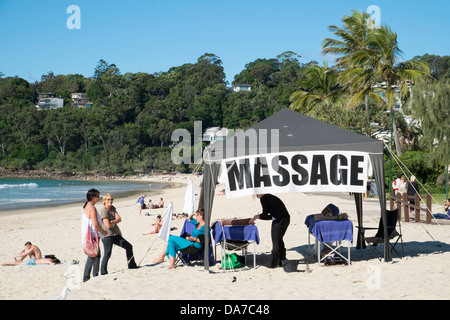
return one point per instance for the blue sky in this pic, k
(152, 36)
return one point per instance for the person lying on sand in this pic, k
(32, 262)
(177, 216)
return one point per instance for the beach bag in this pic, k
(91, 245)
(231, 262)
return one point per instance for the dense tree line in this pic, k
(133, 116)
(129, 126)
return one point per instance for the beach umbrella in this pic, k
(164, 233)
(189, 198)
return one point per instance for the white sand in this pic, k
(421, 274)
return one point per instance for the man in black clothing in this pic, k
(274, 209)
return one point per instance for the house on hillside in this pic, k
(80, 100)
(47, 101)
(215, 134)
(241, 87)
(380, 87)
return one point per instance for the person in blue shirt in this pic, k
(141, 203)
(176, 243)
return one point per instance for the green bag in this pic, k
(231, 262)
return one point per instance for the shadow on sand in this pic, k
(410, 249)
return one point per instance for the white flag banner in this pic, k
(309, 171)
(164, 233)
(189, 198)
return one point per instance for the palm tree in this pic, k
(319, 88)
(351, 38)
(370, 56)
(384, 60)
(351, 46)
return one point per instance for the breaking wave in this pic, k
(17, 186)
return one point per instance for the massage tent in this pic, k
(310, 155)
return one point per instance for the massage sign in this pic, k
(310, 171)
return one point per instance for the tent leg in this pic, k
(360, 243)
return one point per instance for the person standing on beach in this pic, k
(403, 186)
(412, 189)
(90, 220)
(368, 188)
(396, 184)
(274, 209)
(110, 219)
(141, 203)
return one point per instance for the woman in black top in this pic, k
(274, 209)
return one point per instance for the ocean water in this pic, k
(18, 193)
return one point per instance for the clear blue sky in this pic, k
(152, 36)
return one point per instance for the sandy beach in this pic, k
(420, 274)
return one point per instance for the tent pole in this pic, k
(360, 243)
(207, 198)
(378, 165)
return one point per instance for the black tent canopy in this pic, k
(289, 131)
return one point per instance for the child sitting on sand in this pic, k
(158, 224)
